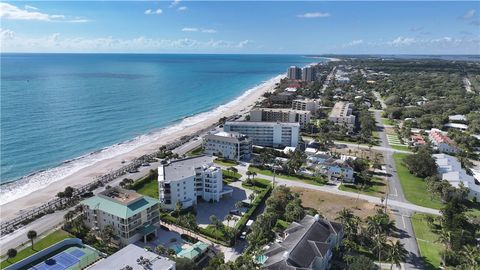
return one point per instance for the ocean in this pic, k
(59, 109)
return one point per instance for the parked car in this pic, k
(235, 212)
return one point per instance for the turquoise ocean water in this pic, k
(58, 107)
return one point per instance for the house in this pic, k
(134, 258)
(334, 169)
(451, 170)
(132, 216)
(185, 180)
(230, 145)
(442, 142)
(417, 140)
(307, 244)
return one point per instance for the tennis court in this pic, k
(73, 258)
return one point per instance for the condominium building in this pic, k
(230, 145)
(132, 216)
(294, 73)
(280, 115)
(185, 180)
(271, 134)
(341, 114)
(310, 105)
(307, 245)
(308, 74)
(442, 142)
(450, 169)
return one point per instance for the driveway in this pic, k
(222, 208)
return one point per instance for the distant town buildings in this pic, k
(184, 180)
(230, 145)
(294, 73)
(310, 105)
(341, 114)
(280, 115)
(136, 258)
(442, 142)
(283, 97)
(307, 244)
(308, 74)
(271, 134)
(132, 216)
(451, 170)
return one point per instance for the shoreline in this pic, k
(16, 198)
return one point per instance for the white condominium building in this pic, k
(451, 170)
(341, 114)
(271, 134)
(280, 115)
(310, 105)
(185, 180)
(132, 216)
(308, 74)
(294, 73)
(230, 145)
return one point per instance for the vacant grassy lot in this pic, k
(149, 188)
(306, 179)
(427, 242)
(400, 147)
(378, 188)
(225, 162)
(414, 188)
(388, 122)
(195, 152)
(329, 204)
(48, 240)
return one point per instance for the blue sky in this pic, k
(241, 27)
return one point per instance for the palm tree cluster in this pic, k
(373, 233)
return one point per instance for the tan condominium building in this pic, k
(341, 114)
(310, 105)
(280, 115)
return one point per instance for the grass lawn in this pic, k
(50, 239)
(224, 162)
(195, 152)
(281, 225)
(377, 188)
(229, 174)
(388, 122)
(149, 189)
(305, 179)
(426, 239)
(415, 188)
(259, 184)
(400, 147)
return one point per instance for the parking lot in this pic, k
(222, 208)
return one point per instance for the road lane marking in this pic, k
(403, 220)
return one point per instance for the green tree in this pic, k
(396, 254)
(361, 262)
(31, 235)
(251, 197)
(421, 164)
(11, 253)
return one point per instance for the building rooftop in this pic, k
(251, 123)
(183, 168)
(438, 137)
(304, 242)
(194, 251)
(115, 205)
(129, 255)
(285, 110)
(341, 109)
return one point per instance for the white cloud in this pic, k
(469, 14)
(182, 8)
(12, 42)
(30, 7)
(401, 41)
(174, 3)
(153, 12)
(189, 29)
(314, 15)
(210, 31)
(11, 12)
(354, 43)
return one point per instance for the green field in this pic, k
(388, 122)
(414, 188)
(149, 188)
(306, 179)
(427, 242)
(195, 152)
(225, 162)
(50, 239)
(400, 147)
(377, 188)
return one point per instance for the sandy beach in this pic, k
(187, 126)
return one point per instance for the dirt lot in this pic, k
(329, 204)
(358, 152)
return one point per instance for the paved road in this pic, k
(381, 148)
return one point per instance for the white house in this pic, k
(442, 142)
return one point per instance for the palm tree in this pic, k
(445, 238)
(69, 216)
(253, 174)
(251, 197)
(396, 254)
(471, 255)
(160, 250)
(379, 243)
(11, 253)
(228, 218)
(249, 173)
(239, 205)
(32, 235)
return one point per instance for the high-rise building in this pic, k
(308, 74)
(230, 145)
(294, 73)
(310, 105)
(184, 180)
(270, 134)
(280, 115)
(131, 215)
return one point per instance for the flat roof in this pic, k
(285, 110)
(129, 255)
(183, 168)
(341, 109)
(251, 123)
